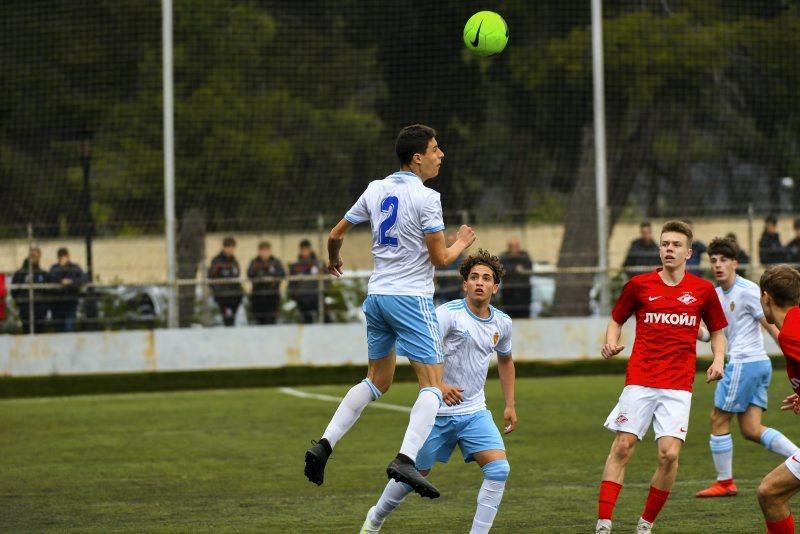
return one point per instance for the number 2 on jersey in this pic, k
(388, 205)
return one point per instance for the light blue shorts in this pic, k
(473, 433)
(743, 384)
(405, 323)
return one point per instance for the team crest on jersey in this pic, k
(687, 298)
(733, 305)
(495, 338)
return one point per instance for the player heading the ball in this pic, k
(407, 243)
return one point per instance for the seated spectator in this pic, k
(306, 292)
(225, 266)
(265, 298)
(64, 301)
(516, 286)
(643, 252)
(792, 249)
(31, 272)
(770, 250)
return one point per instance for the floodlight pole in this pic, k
(169, 162)
(601, 180)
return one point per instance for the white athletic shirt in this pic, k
(742, 306)
(401, 210)
(469, 342)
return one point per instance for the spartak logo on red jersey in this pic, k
(687, 298)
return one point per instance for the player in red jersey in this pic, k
(780, 295)
(669, 304)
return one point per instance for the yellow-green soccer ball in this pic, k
(486, 33)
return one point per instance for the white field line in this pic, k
(330, 398)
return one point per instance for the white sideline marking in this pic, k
(330, 398)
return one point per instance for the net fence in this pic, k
(284, 111)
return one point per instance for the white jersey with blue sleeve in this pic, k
(469, 342)
(401, 210)
(742, 306)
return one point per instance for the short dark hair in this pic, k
(483, 257)
(645, 224)
(264, 244)
(771, 219)
(732, 237)
(782, 283)
(60, 253)
(412, 140)
(679, 227)
(724, 246)
(228, 242)
(305, 243)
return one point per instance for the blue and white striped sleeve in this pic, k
(503, 347)
(432, 220)
(445, 320)
(753, 303)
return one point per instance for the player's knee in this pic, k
(765, 493)
(623, 447)
(751, 433)
(497, 470)
(382, 383)
(668, 457)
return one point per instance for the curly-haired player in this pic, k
(472, 330)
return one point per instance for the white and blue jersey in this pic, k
(401, 211)
(748, 371)
(469, 344)
(399, 306)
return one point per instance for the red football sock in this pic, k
(784, 526)
(609, 491)
(726, 482)
(655, 502)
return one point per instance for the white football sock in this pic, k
(488, 501)
(722, 453)
(349, 410)
(393, 494)
(776, 442)
(423, 416)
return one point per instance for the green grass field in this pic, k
(232, 461)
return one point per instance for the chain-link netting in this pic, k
(284, 111)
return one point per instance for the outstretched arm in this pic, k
(505, 368)
(335, 241)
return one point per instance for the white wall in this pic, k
(268, 346)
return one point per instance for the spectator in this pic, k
(698, 251)
(516, 287)
(643, 252)
(449, 287)
(228, 296)
(64, 301)
(792, 249)
(770, 250)
(21, 295)
(743, 257)
(305, 292)
(265, 298)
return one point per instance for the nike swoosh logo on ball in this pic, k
(477, 35)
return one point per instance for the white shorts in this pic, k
(638, 406)
(793, 463)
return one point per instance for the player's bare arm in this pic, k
(507, 372)
(612, 346)
(442, 255)
(771, 329)
(335, 241)
(714, 372)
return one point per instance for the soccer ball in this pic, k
(486, 33)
